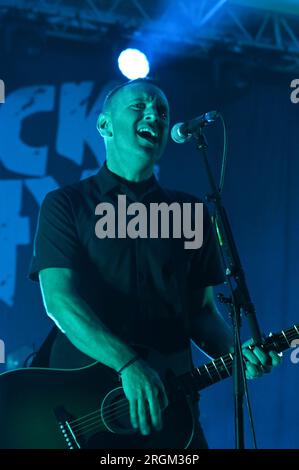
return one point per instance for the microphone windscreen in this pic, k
(177, 136)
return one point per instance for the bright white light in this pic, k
(133, 64)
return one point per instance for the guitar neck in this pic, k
(222, 367)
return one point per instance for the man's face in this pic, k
(140, 124)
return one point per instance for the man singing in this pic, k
(107, 294)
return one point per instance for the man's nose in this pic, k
(151, 114)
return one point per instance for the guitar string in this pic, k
(99, 425)
(120, 404)
(224, 358)
(90, 415)
(94, 418)
(293, 333)
(86, 423)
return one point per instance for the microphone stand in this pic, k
(240, 298)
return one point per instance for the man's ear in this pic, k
(104, 125)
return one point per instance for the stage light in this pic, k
(133, 64)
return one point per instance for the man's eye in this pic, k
(163, 113)
(138, 105)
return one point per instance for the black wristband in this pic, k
(135, 358)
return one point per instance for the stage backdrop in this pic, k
(49, 139)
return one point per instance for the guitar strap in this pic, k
(42, 357)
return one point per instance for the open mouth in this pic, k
(148, 135)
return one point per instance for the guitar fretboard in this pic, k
(222, 367)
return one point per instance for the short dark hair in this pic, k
(113, 91)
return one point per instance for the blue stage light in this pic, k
(133, 64)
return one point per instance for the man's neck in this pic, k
(135, 175)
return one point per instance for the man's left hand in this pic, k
(258, 361)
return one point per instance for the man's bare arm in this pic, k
(212, 334)
(210, 331)
(142, 385)
(75, 318)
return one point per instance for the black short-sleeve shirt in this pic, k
(139, 287)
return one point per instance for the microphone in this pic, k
(182, 132)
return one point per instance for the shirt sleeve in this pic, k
(206, 263)
(56, 242)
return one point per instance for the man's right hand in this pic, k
(146, 394)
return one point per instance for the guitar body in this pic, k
(86, 408)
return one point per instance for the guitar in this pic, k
(86, 407)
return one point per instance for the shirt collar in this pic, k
(109, 181)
